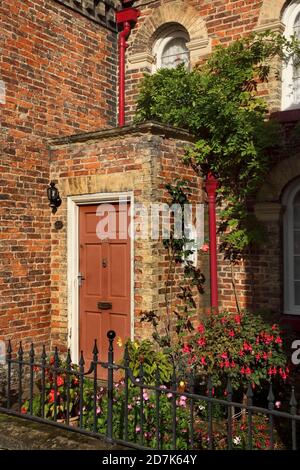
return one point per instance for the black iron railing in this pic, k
(128, 410)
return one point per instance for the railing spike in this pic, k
(81, 360)
(20, 351)
(69, 359)
(126, 356)
(44, 354)
(9, 348)
(229, 389)
(56, 357)
(271, 398)
(95, 349)
(31, 352)
(293, 402)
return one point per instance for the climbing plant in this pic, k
(171, 327)
(221, 104)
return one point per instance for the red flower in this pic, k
(186, 348)
(231, 333)
(23, 410)
(274, 327)
(224, 355)
(227, 363)
(278, 340)
(223, 320)
(247, 347)
(257, 356)
(201, 328)
(52, 395)
(201, 341)
(265, 356)
(248, 371)
(60, 381)
(203, 361)
(238, 319)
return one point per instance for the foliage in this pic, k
(218, 102)
(144, 353)
(241, 347)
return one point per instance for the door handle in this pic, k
(80, 278)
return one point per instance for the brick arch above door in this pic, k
(140, 52)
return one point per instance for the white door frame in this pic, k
(73, 205)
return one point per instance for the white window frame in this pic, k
(167, 35)
(289, 17)
(288, 243)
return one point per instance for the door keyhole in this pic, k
(104, 262)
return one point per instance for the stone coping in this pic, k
(151, 127)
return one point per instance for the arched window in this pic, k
(291, 70)
(170, 48)
(291, 201)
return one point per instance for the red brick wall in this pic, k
(60, 74)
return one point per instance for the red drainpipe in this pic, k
(211, 186)
(126, 18)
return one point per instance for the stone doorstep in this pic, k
(22, 434)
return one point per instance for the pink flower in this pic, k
(277, 404)
(205, 248)
(257, 356)
(224, 355)
(201, 328)
(182, 401)
(238, 319)
(145, 396)
(137, 429)
(227, 363)
(231, 333)
(169, 395)
(203, 361)
(278, 340)
(274, 327)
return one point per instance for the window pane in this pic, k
(297, 242)
(297, 292)
(175, 53)
(297, 217)
(297, 268)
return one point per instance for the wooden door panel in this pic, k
(105, 266)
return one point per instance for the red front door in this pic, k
(104, 265)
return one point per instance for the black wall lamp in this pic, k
(54, 197)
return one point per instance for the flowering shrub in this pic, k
(243, 347)
(61, 397)
(260, 425)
